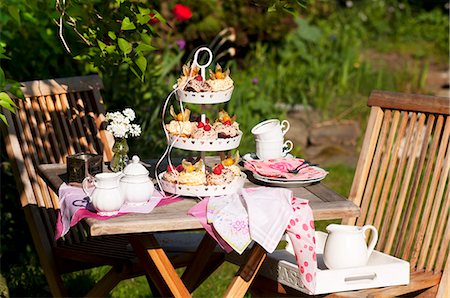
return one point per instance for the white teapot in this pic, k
(106, 196)
(136, 186)
(346, 247)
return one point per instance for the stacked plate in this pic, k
(306, 176)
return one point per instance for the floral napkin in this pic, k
(74, 206)
(280, 168)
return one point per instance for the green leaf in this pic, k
(15, 89)
(110, 49)
(273, 8)
(124, 46)
(144, 10)
(3, 118)
(5, 100)
(14, 12)
(146, 38)
(127, 24)
(142, 47)
(143, 18)
(112, 35)
(141, 62)
(101, 44)
(2, 78)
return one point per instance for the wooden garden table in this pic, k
(140, 228)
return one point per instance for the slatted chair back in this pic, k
(401, 180)
(57, 118)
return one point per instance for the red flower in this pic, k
(182, 13)
(153, 20)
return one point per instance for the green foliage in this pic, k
(7, 88)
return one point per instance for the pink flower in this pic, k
(182, 13)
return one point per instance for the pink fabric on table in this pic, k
(301, 232)
(199, 211)
(74, 206)
(280, 167)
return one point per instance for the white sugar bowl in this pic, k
(136, 186)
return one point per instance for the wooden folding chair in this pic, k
(58, 118)
(401, 185)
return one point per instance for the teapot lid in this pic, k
(135, 168)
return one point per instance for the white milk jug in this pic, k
(106, 196)
(346, 247)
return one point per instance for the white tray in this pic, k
(220, 144)
(382, 270)
(203, 190)
(204, 97)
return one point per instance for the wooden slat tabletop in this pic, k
(326, 204)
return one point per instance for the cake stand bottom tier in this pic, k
(203, 190)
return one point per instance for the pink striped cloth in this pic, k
(74, 206)
(280, 167)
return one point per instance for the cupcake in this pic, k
(226, 126)
(220, 176)
(219, 80)
(171, 174)
(204, 130)
(192, 174)
(231, 163)
(180, 126)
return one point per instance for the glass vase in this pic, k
(120, 155)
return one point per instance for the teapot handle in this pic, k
(84, 184)
(374, 238)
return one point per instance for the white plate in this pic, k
(220, 144)
(203, 190)
(286, 183)
(204, 97)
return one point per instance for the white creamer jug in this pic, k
(136, 186)
(346, 247)
(106, 196)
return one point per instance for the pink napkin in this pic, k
(301, 233)
(74, 206)
(280, 167)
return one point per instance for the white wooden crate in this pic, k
(382, 270)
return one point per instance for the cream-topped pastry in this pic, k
(226, 126)
(220, 177)
(197, 85)
(231, 163)
(171, 175)
(180, 126)
(201, 133)
(220, 80)
(192, 174)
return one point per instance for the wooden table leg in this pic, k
(158, 266)
(247, 272)
(202, 264)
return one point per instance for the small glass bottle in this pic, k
(120, 156)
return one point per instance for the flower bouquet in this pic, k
(121, 128)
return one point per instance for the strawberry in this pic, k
(170, 169)
(228, 122)
(180, 168)
(221, 166)
(207, 127)
(198, 78)
(217, 170)
(200, 124)
(207, 121)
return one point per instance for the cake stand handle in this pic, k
(204, 66)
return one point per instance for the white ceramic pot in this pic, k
(346, 247)
(136, 186)
(106, 196)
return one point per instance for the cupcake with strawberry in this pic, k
(226, 126)
(204, 130)
(172, 173)
(220, 175)
(191, 80)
